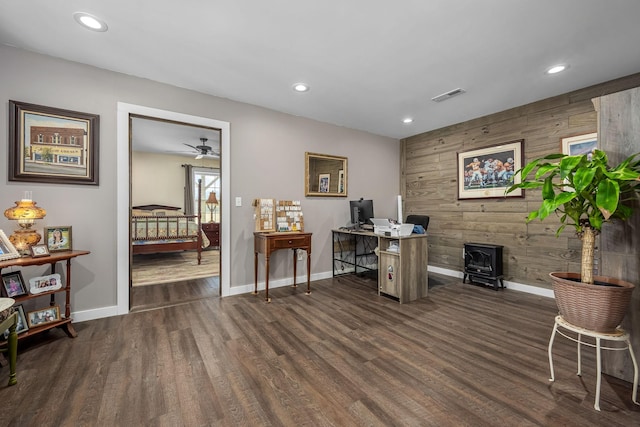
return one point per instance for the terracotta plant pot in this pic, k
(599, 307)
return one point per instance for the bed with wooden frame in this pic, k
(166, 233)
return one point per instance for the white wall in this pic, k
(267, 152)
(157, 179)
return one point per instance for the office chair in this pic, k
(422, 220)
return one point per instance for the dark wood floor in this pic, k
(175, 293)
(342, 356)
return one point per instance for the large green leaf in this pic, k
(567, 164)
(582, 178)
(547, 189)
(546, 208)
(607, 197)
(623, 175)
(544, 169)
(528, 168)
(565, 197)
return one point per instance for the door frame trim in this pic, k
(123, 179)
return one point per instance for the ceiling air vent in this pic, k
(447, 95)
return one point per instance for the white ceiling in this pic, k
(370, 63)
(162, 137)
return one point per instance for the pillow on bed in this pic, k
(166, 212)
(140, 212)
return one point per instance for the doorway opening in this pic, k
(127, 196)
(170, 181)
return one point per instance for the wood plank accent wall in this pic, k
(429, 185)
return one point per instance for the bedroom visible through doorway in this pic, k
(168, 161)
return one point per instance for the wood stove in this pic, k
(483, 264)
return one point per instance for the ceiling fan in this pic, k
(203, 149)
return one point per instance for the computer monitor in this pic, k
(361, 211)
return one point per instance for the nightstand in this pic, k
(212, 231)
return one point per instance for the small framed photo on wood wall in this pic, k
(580, 144)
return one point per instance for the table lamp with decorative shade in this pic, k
(25, 212)
(212, 202)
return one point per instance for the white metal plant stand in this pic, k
(619, 335)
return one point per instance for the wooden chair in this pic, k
(10, 322)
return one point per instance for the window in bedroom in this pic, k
(210, 183)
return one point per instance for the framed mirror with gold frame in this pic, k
(325, 175)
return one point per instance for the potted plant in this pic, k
(585, 192)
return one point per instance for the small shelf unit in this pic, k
(65, 321)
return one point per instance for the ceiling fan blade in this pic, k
(195, 148)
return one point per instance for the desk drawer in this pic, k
(211, 226)
(291, 242)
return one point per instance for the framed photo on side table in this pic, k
(52, 145)
(7, 250)
(58, 238)
(39, 250)
(13, 284)
(488, 172)
(43, 316)
(40, 284)
(22, 321)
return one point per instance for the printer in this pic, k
(389, 228)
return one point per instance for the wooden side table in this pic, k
(619, 335)
(212, 231)
(55, 257)
(266, 243)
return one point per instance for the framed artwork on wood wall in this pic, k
(52, 145)
(580, 144)
(488, 172)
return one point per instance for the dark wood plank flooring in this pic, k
(174, 293)
(342, 356)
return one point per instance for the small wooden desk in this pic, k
(266, 243)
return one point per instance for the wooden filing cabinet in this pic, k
(402, 267)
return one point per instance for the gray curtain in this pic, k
(188, 190)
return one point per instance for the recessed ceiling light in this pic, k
(90, 22)
(407, 120)
(301, 87)
(556, 69)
